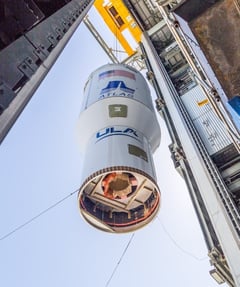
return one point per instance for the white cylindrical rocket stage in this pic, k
(118, 132)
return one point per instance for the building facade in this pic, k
(32, 35)
(191, 77)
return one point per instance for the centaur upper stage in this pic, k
(118, 132)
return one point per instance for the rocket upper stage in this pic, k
(119, 132)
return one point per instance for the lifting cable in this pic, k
(178, 246)
(119, 261)
(37, 216)
(21, 226)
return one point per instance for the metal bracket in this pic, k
(6, 96)
(160, 104)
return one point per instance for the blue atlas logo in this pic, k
(116, 88)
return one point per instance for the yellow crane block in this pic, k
(120, 22)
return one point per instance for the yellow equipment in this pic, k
(120, 22)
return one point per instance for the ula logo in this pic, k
(116, 131)
(117, 89)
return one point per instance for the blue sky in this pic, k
(41, 164)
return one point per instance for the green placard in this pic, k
(117, 110)
(137, 151)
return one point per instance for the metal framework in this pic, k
(184, 89)
(30, 48)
